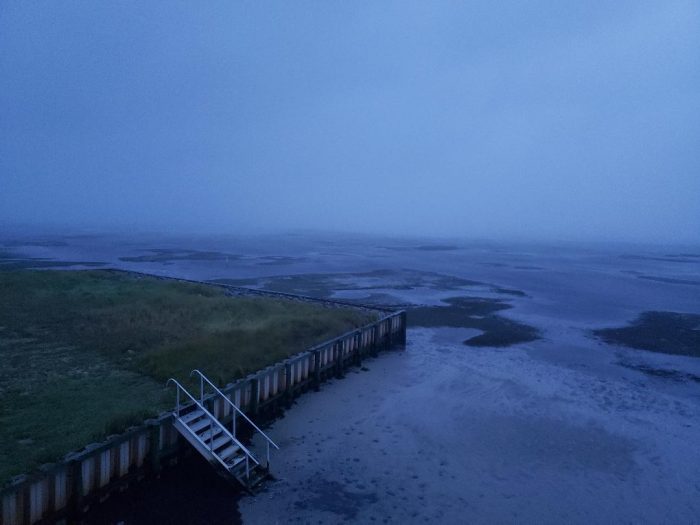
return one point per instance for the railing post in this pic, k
(234, 415)
(177, 396)
(317, 369)
(268, 455)
(201, 389)
(247, 471)
(27, 501)
(76, 500)
(254, 395)
(288, 383)
(338, 359)
(154, 440)
(375, 340)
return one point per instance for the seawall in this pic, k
(64, 490)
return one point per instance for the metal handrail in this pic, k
(203, 377)
(211, 418)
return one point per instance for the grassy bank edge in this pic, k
(116, 430)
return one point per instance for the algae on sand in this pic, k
(663, 332)
(475, 312)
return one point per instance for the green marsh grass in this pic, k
(85, 354)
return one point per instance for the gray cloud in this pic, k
(576, 120)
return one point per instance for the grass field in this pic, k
(85, 354)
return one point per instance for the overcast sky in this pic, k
(554, 119)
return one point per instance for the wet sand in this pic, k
(443, 435)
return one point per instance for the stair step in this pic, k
(202, 424)
(228, 452)
(236, 461)
(219, 441)
(239, 465)
(256, 477)
(195, 414)
(206, 434)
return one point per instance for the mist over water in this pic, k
(576, 122)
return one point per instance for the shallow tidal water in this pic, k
(565, 428)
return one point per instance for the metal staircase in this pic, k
(210, 437)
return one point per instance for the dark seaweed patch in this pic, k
(381, 300)
(475, 312)
(334, 497)
(41, 244)
(670, 280)
(324, 285)
(437, 248)
(664, 332)
(169, 255)
(35, 264)
(509, 291)
(663, 373)
(311, 285)
(9, 262)
(279, 260)
(425, 248)
(687, 258)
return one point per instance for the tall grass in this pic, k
(85, 353)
